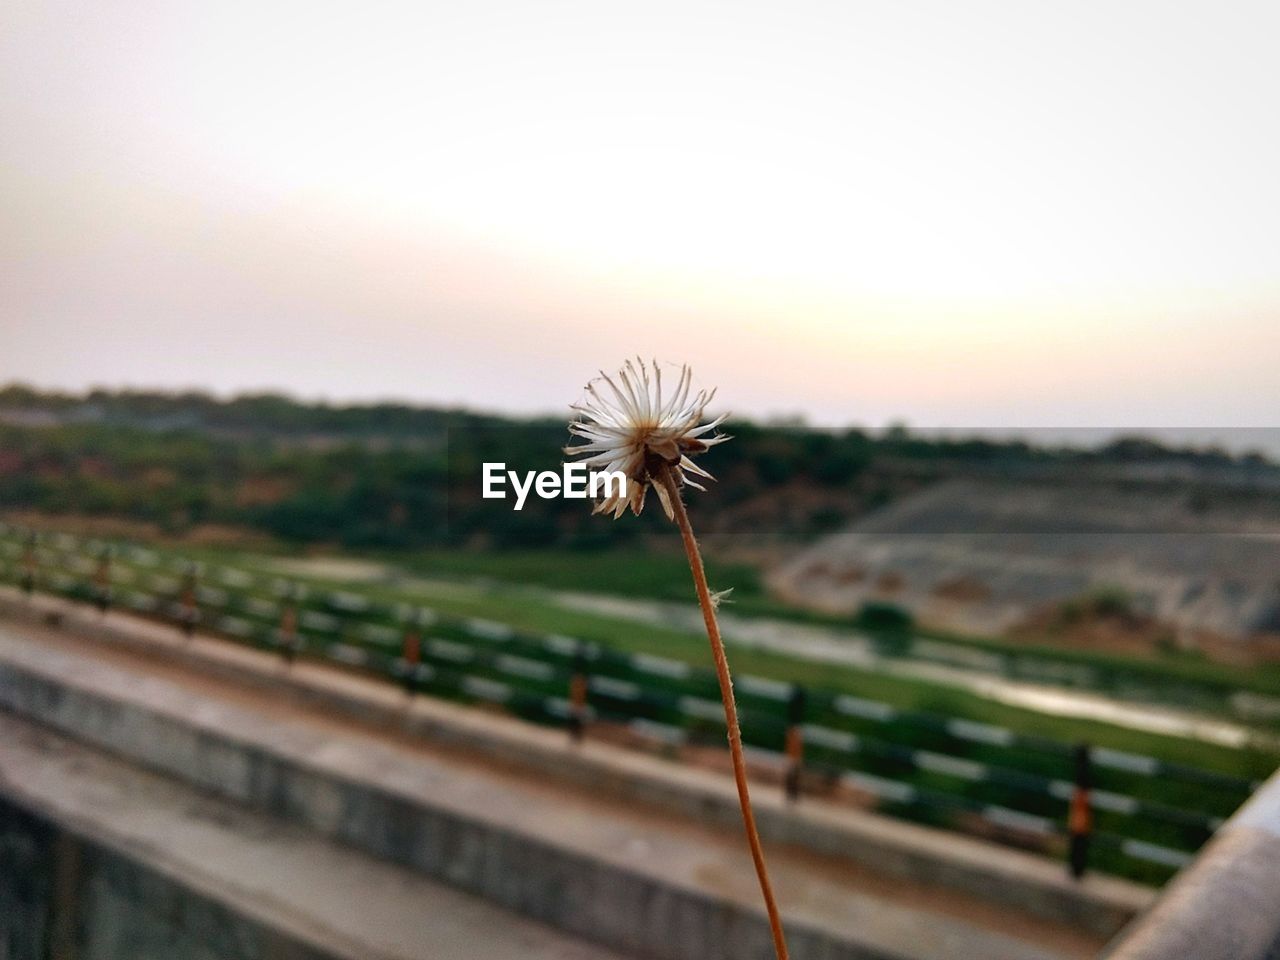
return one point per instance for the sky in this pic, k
(945, 213)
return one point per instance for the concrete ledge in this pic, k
(102, 861)
(1226, 904)
(664, 893)
(115, 908)
(1101, 905)
(580, 860)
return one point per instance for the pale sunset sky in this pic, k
(952, 213)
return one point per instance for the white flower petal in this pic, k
(628, 421)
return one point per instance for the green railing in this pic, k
(943, 770)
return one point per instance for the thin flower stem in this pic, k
(672, 489)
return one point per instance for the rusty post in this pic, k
(289, 630)
(102, 581)
(30, 564)
(578, 695)
(795, 742)
(412, 656)
(1080, 816)
(188, 612)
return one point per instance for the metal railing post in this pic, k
(188, 613)
(795, 742)
(1080, 815)
(289, 630)
(102, 581)
(411, 653)
(30, 564)
(578, 695)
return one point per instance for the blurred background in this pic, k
(991, 290)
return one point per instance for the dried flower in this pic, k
(634, 429)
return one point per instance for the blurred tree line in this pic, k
(396, 476)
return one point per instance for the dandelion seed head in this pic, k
(634, 423)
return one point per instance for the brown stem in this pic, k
(668, 481)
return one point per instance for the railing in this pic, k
(1031, 791)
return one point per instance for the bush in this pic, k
(878, 615)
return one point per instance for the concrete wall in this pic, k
(66, 898)
(631, 911)
(519, 852)
(27, 847)
(1225, 905)
(1007, 877)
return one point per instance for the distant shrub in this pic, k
(878, 615)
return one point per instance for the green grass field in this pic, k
(475, 589)
(665, 577)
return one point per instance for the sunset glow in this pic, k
(909, 211)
